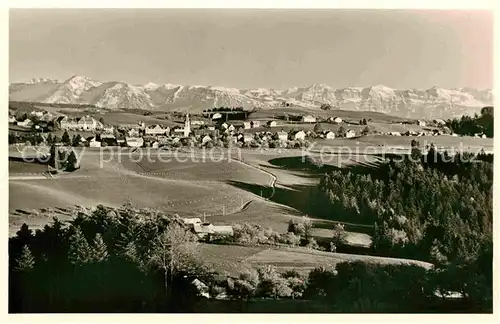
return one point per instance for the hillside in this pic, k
(409, 103)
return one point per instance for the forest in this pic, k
(466, 125)
(435, 207)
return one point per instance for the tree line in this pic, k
(131, 260)
(467, 125)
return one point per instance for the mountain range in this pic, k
(434, 102)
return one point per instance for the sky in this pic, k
(255, 48)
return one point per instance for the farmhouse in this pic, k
(201, 288)
(421, 123)
(12, 119)
(231, 128)
(224, 125)
(93, 142)
(330, 135)
(66, 123)
(272, 123)
(255, 123)
(282, 136)
(350, 134)
(300, 135)
(308, 119)
(336, 120)
(205, 230)
(247, 125)
(395, 133)
(25, 123)
(134, 141)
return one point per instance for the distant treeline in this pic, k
(236, 113)
(33, 105)
(473, 125)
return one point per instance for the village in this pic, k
(215, 131)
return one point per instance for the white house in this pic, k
(350, 134)
(395, 133)
(225, 125)
(134, 141)
(12, 119)
(300, 135)
(206, 139)
(202, 289)
(247, 125)
(330, 135)
(211, 128)
(272, 123)
(25, 123)
(93, 142)
(336, 120)
(231, 128)
(155, 144)
(216, 116)
(308, 119)
(282, 136)
(67, 123)
(422, 123)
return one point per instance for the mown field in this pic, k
(232, 260)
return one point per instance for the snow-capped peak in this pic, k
(151, 86)
(82, 83)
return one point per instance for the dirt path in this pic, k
(274, 178)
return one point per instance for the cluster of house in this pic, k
(42, 118)
(206, 230)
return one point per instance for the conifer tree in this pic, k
(79, 249)
(66, 139)
(26, 260)
(71, 162)
(100, 250)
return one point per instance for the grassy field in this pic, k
(232, 259)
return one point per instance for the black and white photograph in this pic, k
(232, 160)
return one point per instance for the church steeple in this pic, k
(187, 126)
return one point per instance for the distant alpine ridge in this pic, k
(412, 103)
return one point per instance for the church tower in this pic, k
(187, 126)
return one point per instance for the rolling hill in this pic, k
(434, 102)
